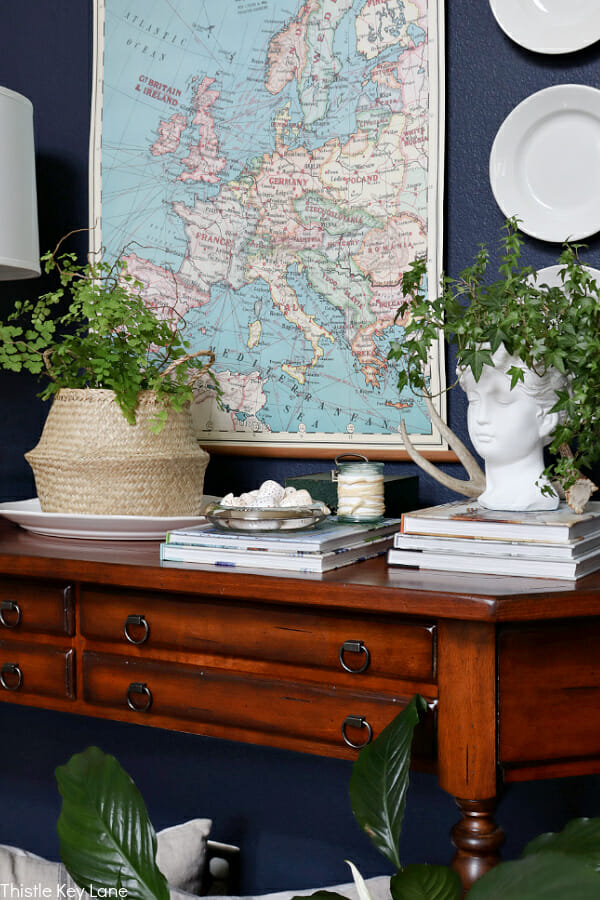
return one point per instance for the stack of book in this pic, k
(327, 546)
(463, 537)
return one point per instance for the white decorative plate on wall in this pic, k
(28, 514)
(551, 276)
(549, 26)
(545, 163)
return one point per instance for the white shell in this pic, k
(266, 502)
(270, 495)
(271, 489)
(302, 498)
(290, 500)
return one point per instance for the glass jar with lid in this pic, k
(359, 489)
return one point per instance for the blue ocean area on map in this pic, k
(265, 172)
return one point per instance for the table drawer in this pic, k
(549, 692)
(32, 606)
(235, 701)
(375, 646)
(35, 670)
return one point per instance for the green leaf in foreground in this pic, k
(106, 838)
(379, 781)
(424, 882)
(541, 876)
(580, 839)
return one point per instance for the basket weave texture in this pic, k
(90, 460)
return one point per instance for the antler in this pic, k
(475, 485)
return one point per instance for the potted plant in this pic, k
(107, 841)
(528, 328)
(118, 438)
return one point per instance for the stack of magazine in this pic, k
(464, 537)
(327, 546)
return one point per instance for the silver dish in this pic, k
(251, 518)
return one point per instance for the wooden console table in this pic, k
(509, 666)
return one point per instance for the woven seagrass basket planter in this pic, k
(90, 460)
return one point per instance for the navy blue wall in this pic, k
(289, 812)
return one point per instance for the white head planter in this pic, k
(509, 429)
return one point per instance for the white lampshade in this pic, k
(19, 242)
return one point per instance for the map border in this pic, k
(431, 445)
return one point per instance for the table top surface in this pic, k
(371, 585)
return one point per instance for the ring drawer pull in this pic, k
(14, 610)
(137, 687)
(356, 722)
(11, 669)
(137, 622)
(354, 647)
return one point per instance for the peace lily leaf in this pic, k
(426, 883)
(379, 781)
(580, 838)
(359, 881)
(106, 838)
(551, 876)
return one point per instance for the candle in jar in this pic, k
(360, 491)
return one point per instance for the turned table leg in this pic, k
(477, 839)
(467, 762)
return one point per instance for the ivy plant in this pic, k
(95, 330)
(543, 326)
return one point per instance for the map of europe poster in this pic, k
(267, 170)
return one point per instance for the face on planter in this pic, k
(504, 425)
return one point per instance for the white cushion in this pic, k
(181, 854)
(18, 867)
(181, 857)
(379, 889)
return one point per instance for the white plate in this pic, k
(551, 276)
(545, 163)
(28, 514)
(549, 26)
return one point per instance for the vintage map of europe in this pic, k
(268, 168)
